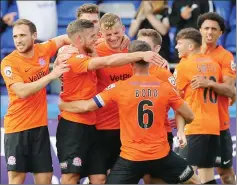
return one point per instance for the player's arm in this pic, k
(121, 59)
(186, 112)
(99, 101)
(61, 41)
(79, 106)
(179, 105)
(23, 90)
(225, 89)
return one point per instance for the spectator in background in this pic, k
(184, 14)
(6, 20)
(153, 15)
(44, 16)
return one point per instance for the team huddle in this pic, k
(115, 96)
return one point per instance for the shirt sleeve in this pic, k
(79, 63)
(50, 46)
(175, 101)
(181, 80)
(228, 67)
(109, 95)
(10, 73)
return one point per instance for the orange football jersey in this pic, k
(204, 102)
(142, 103)
(30, 112)
(107, 118)
(226, 61)
(78, 84)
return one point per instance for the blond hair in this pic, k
(108, 20)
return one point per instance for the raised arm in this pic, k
(124, 58)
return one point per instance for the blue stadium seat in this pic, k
(4, 7)
(221, 40)
(136, 3)
(230, 42)
(223, 8)
(62, 30)
(7, 44)
(67, 10)
(172, 32)
(232, 18)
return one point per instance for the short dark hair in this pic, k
(211, 16)
(78, 26)
(190, 33)
(26, 22)
(138, 45)
(87, 8)
(153, 34)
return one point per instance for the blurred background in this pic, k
(52, 17)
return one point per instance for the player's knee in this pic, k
(70, 178)
(16, 177)
(147, 179)
(43, 178)
(97, 179)
(193, 180)
(227, 175)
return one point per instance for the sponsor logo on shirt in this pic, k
(115, 78)
(37, 76)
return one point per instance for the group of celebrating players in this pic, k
(114, 102)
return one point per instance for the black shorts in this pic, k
(111, 144)
(170, 139)
(172, 169)
(28, 151)
(224, 151)
(201, 150)
(78, 148)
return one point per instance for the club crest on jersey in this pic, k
(110, 86)
(81, 56)
(8, 71)
(172, 80)
(233, 65)
(42, 62)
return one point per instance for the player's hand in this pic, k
(9, 18)
(125, 43)
(152, 57)
(199, 82)
(232, 100)
(99, 40)
(68, 49)
(59, 70)
(62, 58)
(182, 139)
(60, 104)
